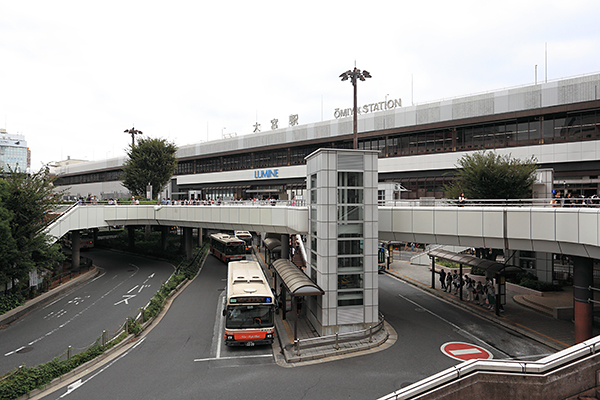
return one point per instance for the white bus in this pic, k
(250, 306)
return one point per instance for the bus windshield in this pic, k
(249, 316)
(237, 248)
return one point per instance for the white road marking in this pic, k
(232, 358)
(126, 299)
(14, 351)
(454, 326)
(464, 351)
(80, 383)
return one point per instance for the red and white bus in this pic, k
(250, 307)
(227, 248)
(246, 237)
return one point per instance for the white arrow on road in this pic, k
(126, 299)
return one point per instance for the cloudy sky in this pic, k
(75, 74)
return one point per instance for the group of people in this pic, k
(571, 200)
(475, 291)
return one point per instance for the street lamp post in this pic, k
(133, 132)
(354, 75)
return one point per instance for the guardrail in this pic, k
(422, 202)
(433, 202)
(339, 337)
(540, 367)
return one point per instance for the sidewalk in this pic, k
(529, 315)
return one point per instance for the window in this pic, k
(350, 298)
(350, 281)
(350, 247)
(352, 179)
(350, 196)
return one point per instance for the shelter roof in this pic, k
(295, 280)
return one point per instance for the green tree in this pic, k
(25, 202)
(488, 175)
(150, 161)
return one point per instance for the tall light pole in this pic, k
(354, 75)
(133, 132)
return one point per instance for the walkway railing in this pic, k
(339, 337)
(433, 202)
(498, 367)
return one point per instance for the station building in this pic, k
(417, 147)
(556, 122)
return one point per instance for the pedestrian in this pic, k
(448, 282)
(455, 282)
(443, 279)
(478, 293)
(462, 199)
(470, 288)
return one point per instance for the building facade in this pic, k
(14, 153)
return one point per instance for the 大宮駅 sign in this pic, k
(367, 108)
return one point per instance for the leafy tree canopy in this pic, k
(150, 161)
(25, 203)
(488, 175)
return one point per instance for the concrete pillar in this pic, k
(164, 233)
(147, 232)
(285, 246)
(75, 248)
(583, 278)
(188, 240)
(131, 236)
(200, 237)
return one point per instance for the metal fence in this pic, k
(340, 337)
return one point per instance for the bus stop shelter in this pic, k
(272, 249)
(296, 283)
(493, 269)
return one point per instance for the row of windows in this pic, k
(552, 128)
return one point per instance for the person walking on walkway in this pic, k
(448, 287)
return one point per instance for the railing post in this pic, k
(370, 334)
(297, 344)
(104, 337)
(337, 346)
(69, 353)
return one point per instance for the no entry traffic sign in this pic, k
(465, 351)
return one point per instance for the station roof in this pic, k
(295, 280)
(472, 261)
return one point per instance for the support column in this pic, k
(285, 246)
(131, 236)
(583, 278)
(75, 249)
(200, 237)
(187, 240)
(164, 233)
(432, 272)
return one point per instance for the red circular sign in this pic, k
(465, 351)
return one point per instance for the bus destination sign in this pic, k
(251, 299)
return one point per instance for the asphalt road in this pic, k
(77, 319)
(180, 358)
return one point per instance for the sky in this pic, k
(74, 75)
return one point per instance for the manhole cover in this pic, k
(25, 349)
